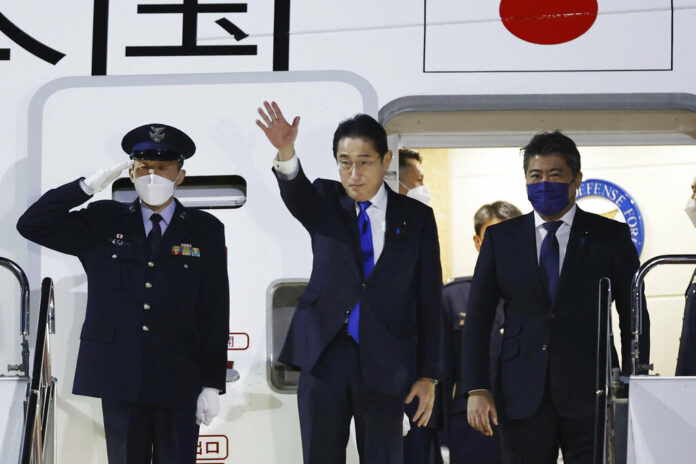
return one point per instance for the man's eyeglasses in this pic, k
(347, 166)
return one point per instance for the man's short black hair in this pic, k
(364, 127)
(553, 143)
(498, 210)
(405, 154)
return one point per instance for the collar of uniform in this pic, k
(166, 213)
(379, 201)
(567, 218)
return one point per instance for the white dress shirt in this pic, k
(562, 234)
(377, 211)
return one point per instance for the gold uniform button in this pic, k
(146, 328)
(150, 264)
(146, 306)
(148, 285)
(114, 256)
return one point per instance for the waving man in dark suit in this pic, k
(366, 332)
(546, 266)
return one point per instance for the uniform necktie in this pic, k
(549, 260)
(155, 236)
(368, 253)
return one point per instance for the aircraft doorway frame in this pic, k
(669, 129)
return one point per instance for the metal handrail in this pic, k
(603, 392)
(637, 302)
(39, 405)
(13, 267)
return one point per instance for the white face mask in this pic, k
(420, 193)
(690, 209)
(155, 190)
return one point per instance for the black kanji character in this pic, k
(27, 42)
(190, 9)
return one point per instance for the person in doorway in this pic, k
(546, 265)
(686, 360)
(154, 340)
(411, 178)
(366, 332)
(421, 444)
(466, 446)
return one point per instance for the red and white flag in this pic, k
(547, 35)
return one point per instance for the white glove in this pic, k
(406, 425)
(207, 406)
(102, 178)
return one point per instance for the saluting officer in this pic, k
(154, 340)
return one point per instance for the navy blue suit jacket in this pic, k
(400, 301)
(541, 339)
(185, 347)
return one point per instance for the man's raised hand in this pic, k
(279, 132)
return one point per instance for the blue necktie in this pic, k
(368, 253)
(549, 260)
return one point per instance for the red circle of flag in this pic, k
(548, 22)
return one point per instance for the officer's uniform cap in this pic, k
(158, 142)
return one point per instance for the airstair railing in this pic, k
(23, 366)
(637, 302)
(611, 385)
(39, 410)
(603, 439)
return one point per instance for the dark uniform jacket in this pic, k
(542, 339)
(455, 298)
(400, 301)
(686, 362)
(156, 328)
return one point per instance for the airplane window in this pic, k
(205, 192)
(283, 297)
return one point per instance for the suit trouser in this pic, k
(333, 392)
(536, 439)
(468, 446)
(140, 434)
(422, 444)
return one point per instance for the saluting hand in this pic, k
(279, 132)
(102, 178)
(479, 406)
(424, 389)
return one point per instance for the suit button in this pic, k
(114, 256)
(150, 264)
(146, 306)
(364, 285)
(185, 266)
(347, 311)
(148, 285)
(502, 330)
(552, 316)
(544, 347)
(146, 328)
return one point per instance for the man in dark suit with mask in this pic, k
(546, 266)
(154, 341)
(366, 332)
